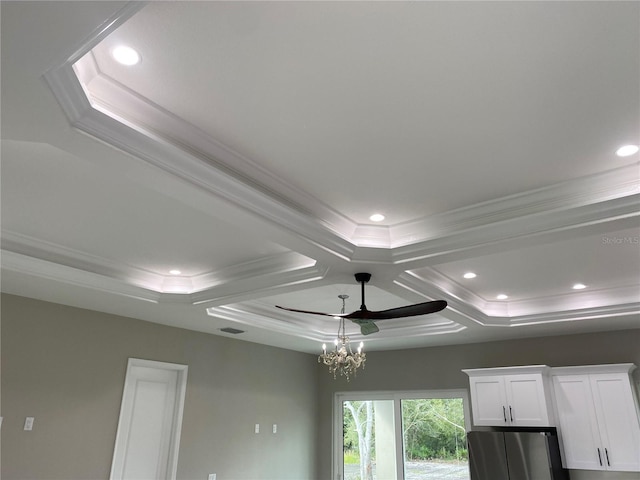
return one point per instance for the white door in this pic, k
(527, 404)
(578, 424)
(618, 421)
(148, 434)
(488, 400)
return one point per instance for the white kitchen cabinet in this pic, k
(598, 417)
(511, 396)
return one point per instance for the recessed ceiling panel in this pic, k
(347, 100)
(44, 197)
(601, 262)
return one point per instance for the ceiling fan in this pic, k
(365, 318)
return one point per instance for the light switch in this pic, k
(212, 476)
(28, 423)
(257, 430)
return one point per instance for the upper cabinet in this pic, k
(598, 416)
(511, 396)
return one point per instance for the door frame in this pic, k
(122, 432)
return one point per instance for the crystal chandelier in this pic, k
(342, 360)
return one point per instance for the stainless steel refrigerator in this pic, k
(515, 455)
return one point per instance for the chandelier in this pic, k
(342, 360)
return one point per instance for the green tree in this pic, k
(433, 428)
(361, 421)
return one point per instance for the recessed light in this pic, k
(376, 217)
(627, 150)
(469, 275)
(502, 296)
(579, 286)
(126, 55)
(175, 272)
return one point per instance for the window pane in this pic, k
(369, 451)
(434, 439)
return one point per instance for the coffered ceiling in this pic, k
(251, 143)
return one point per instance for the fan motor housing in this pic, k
(363, 277)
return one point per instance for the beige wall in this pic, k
(440, 368)
(66, 366)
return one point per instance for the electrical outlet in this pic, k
(257, 429)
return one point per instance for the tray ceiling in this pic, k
(252, 142)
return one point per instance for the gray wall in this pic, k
(440, 368)
(66, 367)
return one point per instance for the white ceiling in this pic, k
(250, 145)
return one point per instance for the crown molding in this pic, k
(202, 174)
(252, 316)
(31, 266)
(47, 260)
(490, 236)
(626, 368)
(551, 309)
(432, 285)
(420, 328)
(253, 286)
(577, 315)
(576, 301)
(117, 101)
(265, 266)
(53, 253)
(569, 195)
(203, 162)
(61, 78)
(321, 329)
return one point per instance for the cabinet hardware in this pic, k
(599, 457)
(504, 414)
(510, 413)
(606, 454)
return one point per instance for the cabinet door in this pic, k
(488, 400)
(617, 420)
(578, 425)
(526, 401)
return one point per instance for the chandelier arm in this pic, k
(342, 360)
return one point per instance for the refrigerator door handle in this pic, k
(599, 457)
(606, 454)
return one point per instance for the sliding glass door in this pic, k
(401, 436)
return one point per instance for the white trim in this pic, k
(47, 270)
(26, 254)
(525, 369)
(594, 369)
